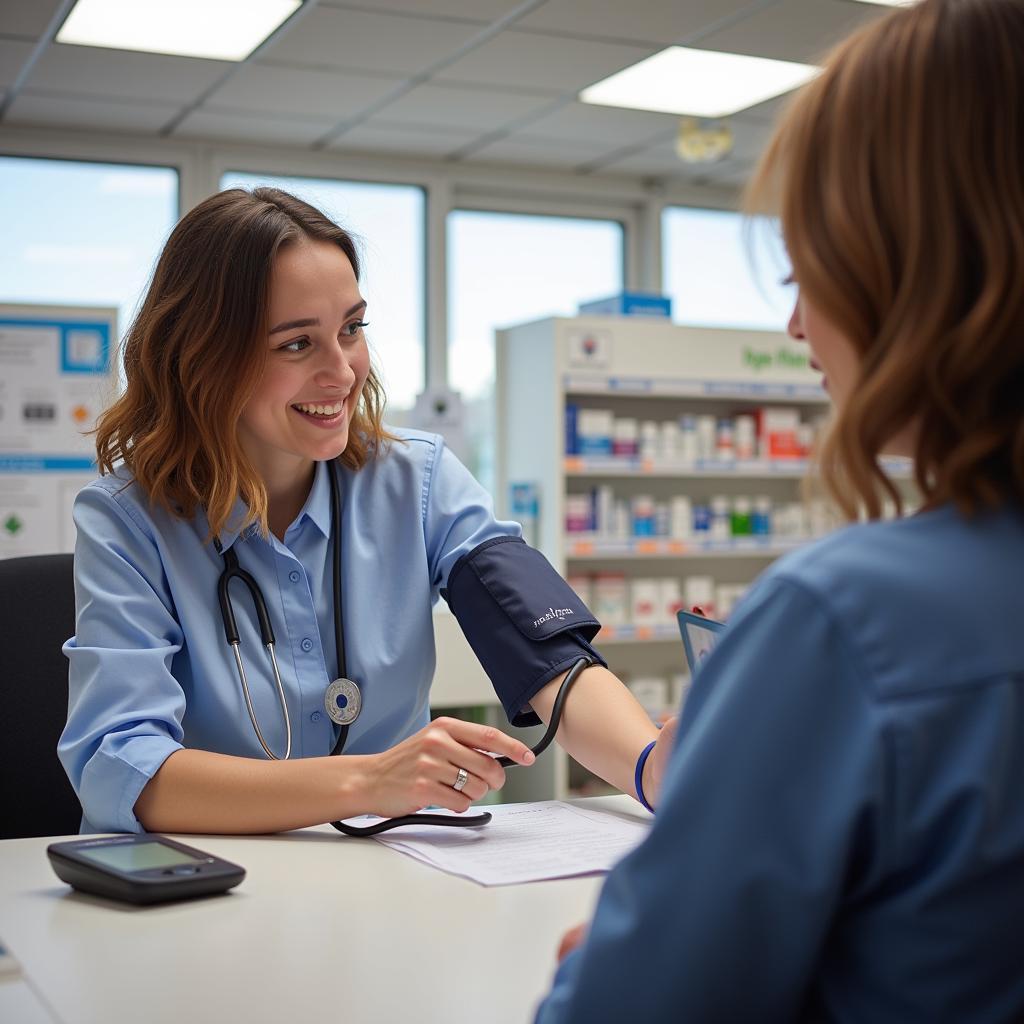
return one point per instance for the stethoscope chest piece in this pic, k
(343, 701)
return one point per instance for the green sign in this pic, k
(781, 358)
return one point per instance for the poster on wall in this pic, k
(56, 375)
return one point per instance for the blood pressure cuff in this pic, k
(523, 621)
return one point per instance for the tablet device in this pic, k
(699, 635)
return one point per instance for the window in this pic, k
(720, 274)
(505, 269)
(85, 234)
(388, 224)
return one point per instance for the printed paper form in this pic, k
(524, 843)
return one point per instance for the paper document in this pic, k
(524, 843)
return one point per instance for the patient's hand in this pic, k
(571, 939)
(657, 762)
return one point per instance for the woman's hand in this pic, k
(571, 939)
(422, 770)
(657, 761)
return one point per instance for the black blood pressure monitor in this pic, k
(141, 868)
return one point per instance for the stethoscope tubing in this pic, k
(232, 571)
(475, 820)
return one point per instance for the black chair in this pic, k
(37, 614)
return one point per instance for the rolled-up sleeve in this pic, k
(458, 514)
(125, 707)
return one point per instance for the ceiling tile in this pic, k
(411, 139)
(546, 62)
(749, 139)
(611, 126)
(328, 94)
(657, 21)
(484, 11)
(13, 55)
(525, 149)
(102, 72)
(244, 126)
(388, 43)
(89, 112)
(735, 174)
(478, 108)
(654, 160)
(800, 30)
(26, 17)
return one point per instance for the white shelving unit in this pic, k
(648, 370)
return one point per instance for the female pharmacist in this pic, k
(841, 832)
(249, 440)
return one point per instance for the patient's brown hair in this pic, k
(197, 349)
(899, 177)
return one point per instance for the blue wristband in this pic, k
(638, 777)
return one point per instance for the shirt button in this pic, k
(315, 717)
(307, 644)
(293, 576)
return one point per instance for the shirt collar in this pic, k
(232, 529)
(318, 503)
(317, 509)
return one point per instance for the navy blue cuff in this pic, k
(523, 621)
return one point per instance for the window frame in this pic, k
(637, 203)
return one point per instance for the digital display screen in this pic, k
(701, 643)
(699, 637)
(136, 856)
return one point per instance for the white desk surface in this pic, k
(324, 928)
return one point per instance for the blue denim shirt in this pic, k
(151, 671)
(841, 832)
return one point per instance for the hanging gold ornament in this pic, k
(703, 141)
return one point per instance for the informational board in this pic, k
(56, 375)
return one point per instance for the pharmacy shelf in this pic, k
(638, 635)
(758, 469)
(646, 370)
(584, 546)
(682, 387)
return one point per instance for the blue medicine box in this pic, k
(629, 304)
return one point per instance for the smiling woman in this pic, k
(248, 448)
(200, 392)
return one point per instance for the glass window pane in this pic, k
(504, 269)
(722, 270)
(84, 234)
(388, 224)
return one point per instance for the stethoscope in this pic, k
(343, 698)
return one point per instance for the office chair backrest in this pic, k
(37, 614)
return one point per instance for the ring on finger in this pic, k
(460, 780)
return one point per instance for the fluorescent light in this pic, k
(703, 83)
(890, 3)
(214, 29)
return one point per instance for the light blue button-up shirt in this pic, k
(151, 671)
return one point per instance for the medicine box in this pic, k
(629, 304)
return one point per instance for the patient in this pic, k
(841, 831)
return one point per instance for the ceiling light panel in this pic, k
(213, 29)
(702, 83)
(890, 3)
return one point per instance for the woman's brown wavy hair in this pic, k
(898, 174)
(197, 349)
